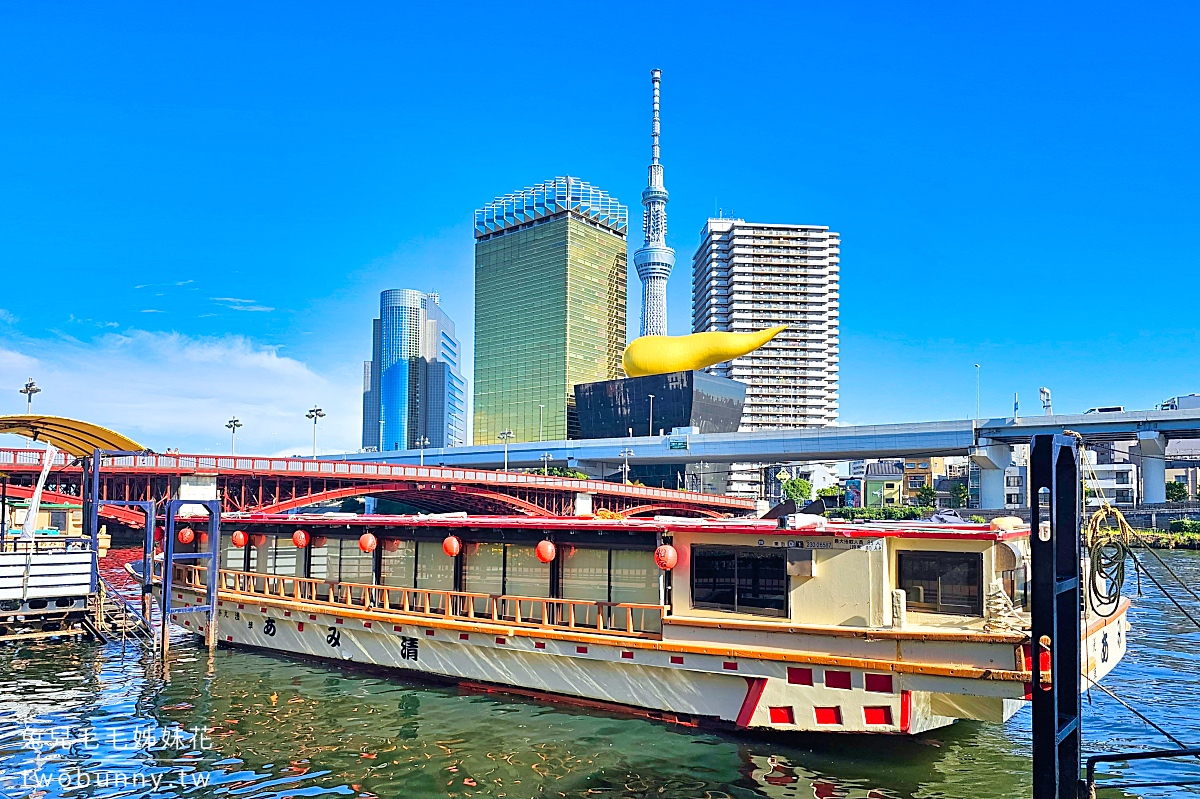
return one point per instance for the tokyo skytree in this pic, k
(655, 259)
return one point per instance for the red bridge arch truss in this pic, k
(253, 484)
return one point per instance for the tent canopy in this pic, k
(72, 436)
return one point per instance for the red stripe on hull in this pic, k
(754, 691)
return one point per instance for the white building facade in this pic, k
(747, 276)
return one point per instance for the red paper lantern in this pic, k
(546, 551)
(239, 538)
(367, 542)
(159, 535)
(665, 557)
(186, 535)
(319, 540)
(258, 539)
(392, 544)
(452, 545)
(300, 539)
(204, 539)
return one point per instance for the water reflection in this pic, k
(265, 726)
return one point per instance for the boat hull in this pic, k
(649, 678)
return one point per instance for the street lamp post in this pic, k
(626, 453)
(422, 443)
(29, 390)
(504, 436)
(546, 458)
(314, 413)
(233, 425)
(651, 433)
(541, 408)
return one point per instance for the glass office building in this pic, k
(413, 390)
(617, 408)
(550, 275)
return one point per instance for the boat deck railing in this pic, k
(634, 619)
(42, 542)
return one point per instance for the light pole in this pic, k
(977, 391)
(651, 433)
(541, 408)
(422, 443)
(626, 453)
(504, 436)
(546, 458)
(29, 390)
(233, 425)
(314, 413)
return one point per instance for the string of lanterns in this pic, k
(666, 557)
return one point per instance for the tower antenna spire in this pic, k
(654, 260)
(656, 79)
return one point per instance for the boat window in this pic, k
(232, 557)
(634, 579)
(435, 571)
(740, 580)
(399, 562)
(282, 557)
(356, 566)
(341, 561)
(524, 574)
(323, 560)
(942, 582)
(585, 576)
(483, 568)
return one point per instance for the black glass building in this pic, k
(612, 408)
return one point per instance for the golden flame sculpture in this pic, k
(656, 355)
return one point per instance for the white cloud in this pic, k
(236, 304)
(7, 318)
(169, 390)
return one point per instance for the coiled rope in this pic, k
(1107, 549)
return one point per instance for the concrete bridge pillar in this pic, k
(1152, 446)
(992, 460)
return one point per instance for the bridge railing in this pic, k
(610, 618)
(31, 460)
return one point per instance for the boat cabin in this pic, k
(598, 572)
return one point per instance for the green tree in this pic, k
(1177, 492)
(959, 495)
(798, 489)
(562, 471)
(927, 496)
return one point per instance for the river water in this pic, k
(83, 719)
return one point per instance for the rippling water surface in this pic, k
(83, 719)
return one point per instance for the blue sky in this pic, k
(199, 205)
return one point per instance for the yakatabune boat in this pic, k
(889, 628)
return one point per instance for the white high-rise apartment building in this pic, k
(748, 276)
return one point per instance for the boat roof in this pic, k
(664, 525)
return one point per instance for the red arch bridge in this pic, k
(275, 485)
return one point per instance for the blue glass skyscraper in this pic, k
(420, 391)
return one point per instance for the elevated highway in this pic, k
(988, 441)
